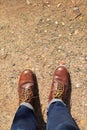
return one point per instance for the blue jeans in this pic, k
(59, 118)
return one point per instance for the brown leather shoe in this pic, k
(60, 84)
(26, 87)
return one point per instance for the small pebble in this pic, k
(86, 58)
(28, 2)
(59, 50)
(77, 85)
(3, 53)
(75, 8)
(70, 34)
(60, 35)
(63, 23)
(13, 65)
(48, 19)
(2, 49)
(76, 32)
(58, 5)
(45, 31)
(60, 47)
(81, 18)
(56, 22)
(48, 5)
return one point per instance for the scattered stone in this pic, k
(28, 2)
(70, 34)
(77, 69)
(13, 64)
(63, 23)
(76, 32)
(60, 35)
(85, 58)
(3, 53)
(60, 47)
(56, 22)
(48, 19)
(59, 50)
(76, 11)
(81, 18)
(83, 122)
(77, 85)
(58, 5)
(46, 4)
(45, 31)
(75, 8)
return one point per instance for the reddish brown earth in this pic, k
(40, 35)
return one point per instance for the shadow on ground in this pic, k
(37, 106)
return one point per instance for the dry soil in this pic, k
(40, 35)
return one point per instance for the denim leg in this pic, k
(24, 119)
(59, 117)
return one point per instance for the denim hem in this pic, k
(27, 105)
(54, 100)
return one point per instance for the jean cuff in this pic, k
(54, 100)
(27, 105)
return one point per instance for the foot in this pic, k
(60, 84)
(26, 87)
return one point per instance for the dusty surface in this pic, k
(40, 35)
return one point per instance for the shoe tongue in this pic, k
(27, 85)
(56, 85)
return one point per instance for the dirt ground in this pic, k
(40, 35)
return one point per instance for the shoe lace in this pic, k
(27, 94)
(58, 90)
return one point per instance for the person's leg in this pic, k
(25, 117)
(59, 117)
(58, 114)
